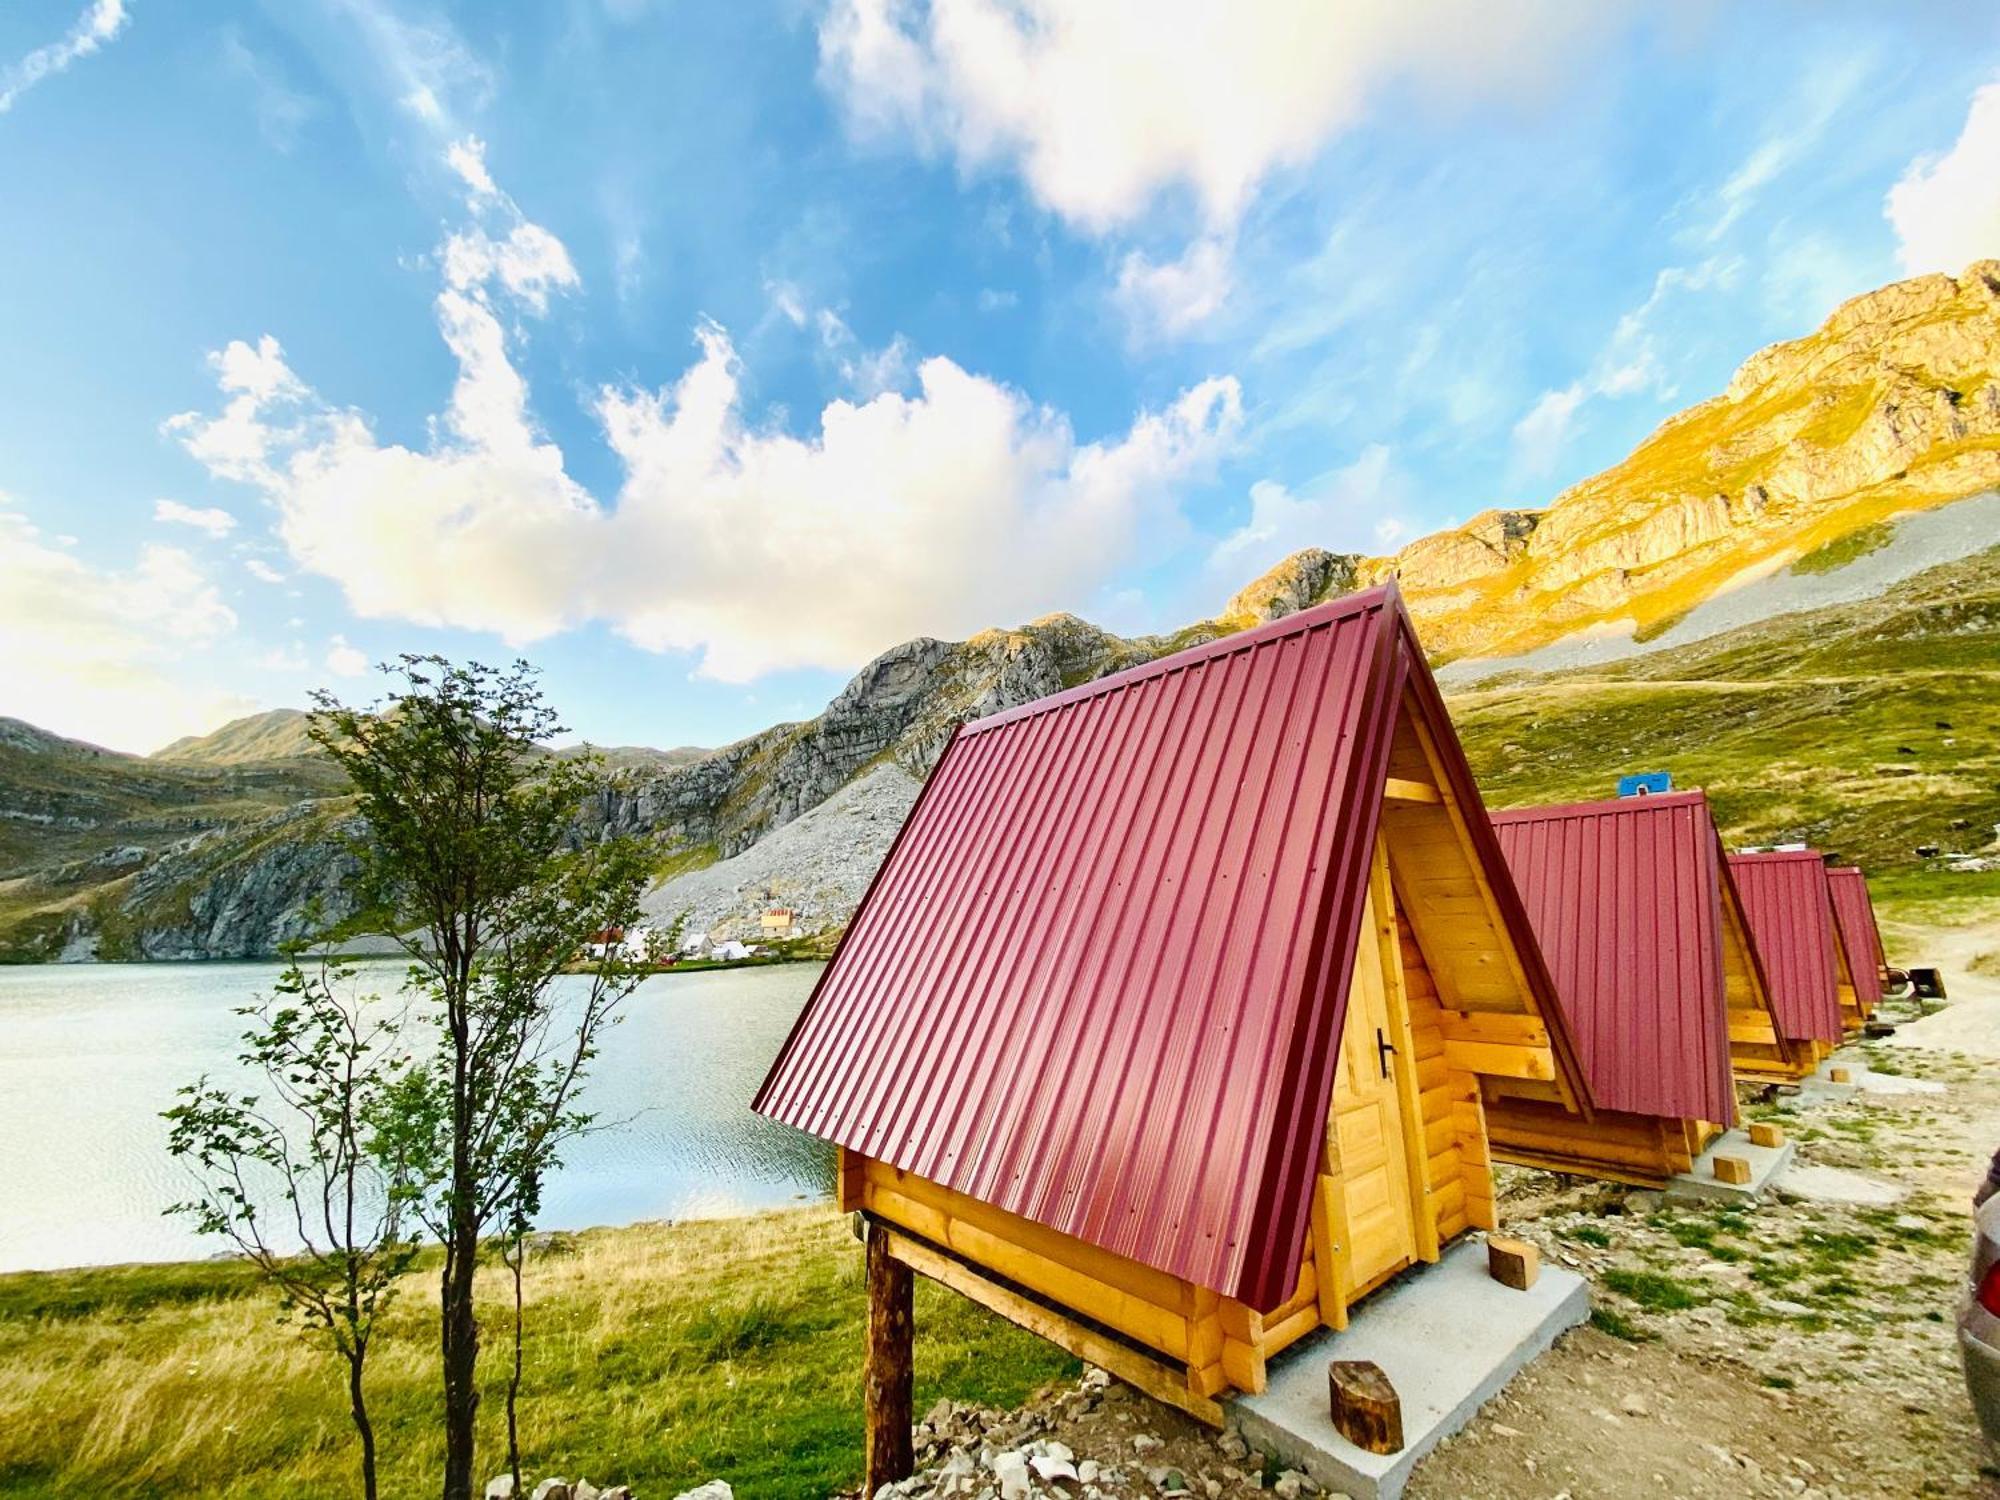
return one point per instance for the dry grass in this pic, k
(659, 1356)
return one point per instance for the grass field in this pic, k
(659, 1356)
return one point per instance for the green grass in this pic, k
(659, 1356)
(1652, 1290)
(1609, 1320)
(1838, 553)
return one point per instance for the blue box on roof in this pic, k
(1645, 783)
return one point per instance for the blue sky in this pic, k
(699, 353)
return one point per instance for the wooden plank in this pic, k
(1401, 789)
(1155, 1379)
(1509, 1029)
(853, 1172)
(1752, 1028)
(1163, 1329)
(1128, 1275)
(1328, 1235)
(1500, 1060)
(1416, 1151)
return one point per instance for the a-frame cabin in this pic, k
(1167, 1025)
(1860, 937)
(1643, 932)
(1791, 925)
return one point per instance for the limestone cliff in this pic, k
(1892, 405)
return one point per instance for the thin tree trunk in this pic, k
(514, 1379)
(460, 1330)
(358, 1405)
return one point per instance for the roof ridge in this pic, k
(1687, 797)
(1298, 623)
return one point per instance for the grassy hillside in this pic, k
(1865, 728)
(661, 1355)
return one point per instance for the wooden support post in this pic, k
(1365, 1407)
(1764, 1133)
(887, 1380)
(1514, 1263)
(1734, 1170)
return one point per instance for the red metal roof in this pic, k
(1625, 899)
(1791, 923)
(1099, 979)
(1854, 921)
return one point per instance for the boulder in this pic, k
(552, 1489)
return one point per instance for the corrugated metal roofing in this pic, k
(1854, 921)
(1625, 899)
(1791, 921)
(1100, 977)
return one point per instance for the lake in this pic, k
(90, 1054)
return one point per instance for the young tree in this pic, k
(471, 865)
(324, 1151)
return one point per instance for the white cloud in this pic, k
(1827, 88)
(944, 510)
(100, 23)
(1178, 296)
(1541, 435)
(213, 520)
(1629, 364)
(282, 111)
(290, 658)
(1946, 208)
(105, 652)
(426, 67)
(344, 660)
(1361, 498)
(262, 571)
(1104, 104)
(996, 299)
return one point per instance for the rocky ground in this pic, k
(1803, 1346)
(819, 864)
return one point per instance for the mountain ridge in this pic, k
(1890, 407)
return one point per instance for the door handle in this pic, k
(1383, 1047)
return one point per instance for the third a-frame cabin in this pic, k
(1166, 1027)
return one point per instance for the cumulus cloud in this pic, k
(213, 520)
(99, 24)
(942, 509)
(1178, 296)
(1946, 207)
(97, 651)
(344, 660)
(1629, 364)
(1101, 105)
(1360, 499)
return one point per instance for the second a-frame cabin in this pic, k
(1791, 924)
(1860, 940)
(1168, 1025)
(1643, 931)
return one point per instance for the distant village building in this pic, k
(731, 951)
(779, 922)
(631, 944)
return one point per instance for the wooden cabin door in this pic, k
(1366, 1149)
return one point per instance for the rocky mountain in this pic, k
(1892, 405)
(276, 734)
(223, 845)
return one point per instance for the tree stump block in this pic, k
(1764, 1133)
(1839, 1075)
(1734, 1170)
(1514, 1263)
(1366, 1409)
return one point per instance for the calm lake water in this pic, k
(90, 1055)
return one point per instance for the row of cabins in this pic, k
(1323, 990)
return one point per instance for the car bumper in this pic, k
(1982, 1374)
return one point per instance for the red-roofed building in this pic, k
(1643, 932)
(1860, 938)
(1165, 1026)
(1791, 923)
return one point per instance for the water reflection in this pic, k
(89, 1056)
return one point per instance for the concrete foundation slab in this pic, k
(1448, 1337)
(1837, 1185)
(1702, 1185)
